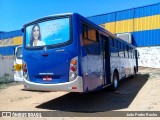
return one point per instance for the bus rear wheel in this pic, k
(134, 72)
(115, 82)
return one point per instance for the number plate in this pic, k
(47, 78)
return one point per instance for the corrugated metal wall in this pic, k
(8, 42)
(142, 22)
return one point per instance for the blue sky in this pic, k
(15, 13)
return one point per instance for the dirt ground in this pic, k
(141, 93)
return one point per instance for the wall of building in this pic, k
(142, 22)
(6, 68)
(8, 42)
(149, 56)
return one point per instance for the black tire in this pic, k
(115, 82)
(135, 71)
(134, 74)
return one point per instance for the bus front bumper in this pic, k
(73, 86)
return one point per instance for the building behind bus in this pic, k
(141, 25)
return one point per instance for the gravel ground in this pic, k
(141, 93)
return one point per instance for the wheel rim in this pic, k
(115, 82)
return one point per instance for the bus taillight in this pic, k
(73, 69)
(25, 72)
(74, 62)
(24, 68)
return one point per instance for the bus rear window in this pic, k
(49, 32)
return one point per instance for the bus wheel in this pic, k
(115, 82)
(134, 72)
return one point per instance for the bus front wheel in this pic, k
(115, 82)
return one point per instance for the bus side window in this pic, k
(92, 48)
(85, 32)
(114, 47)
(90, 40)
(120, 45)
(111, 42)
(127, 51)
(121, 53)
(124, 50)
(132, 53)
(117, 47)
(90, 33)
(115, 43)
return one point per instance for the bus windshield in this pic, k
(19, 53)
(49, 32)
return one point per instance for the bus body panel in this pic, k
(124, 66)
(92, 73)
(52, 65)
(73, 86)
(91, 61)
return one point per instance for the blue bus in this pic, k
(67, 52)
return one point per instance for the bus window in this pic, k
(89, 33)
(92, 47)
(51, 32)
(92, 34)
(121, 53)
(129, 52)
(18, 53)
(111, 42)
(115, 43)
(119, 45)
(114, 50)
(90, 40)
(85, 32)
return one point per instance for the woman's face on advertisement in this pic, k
(36, 32)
